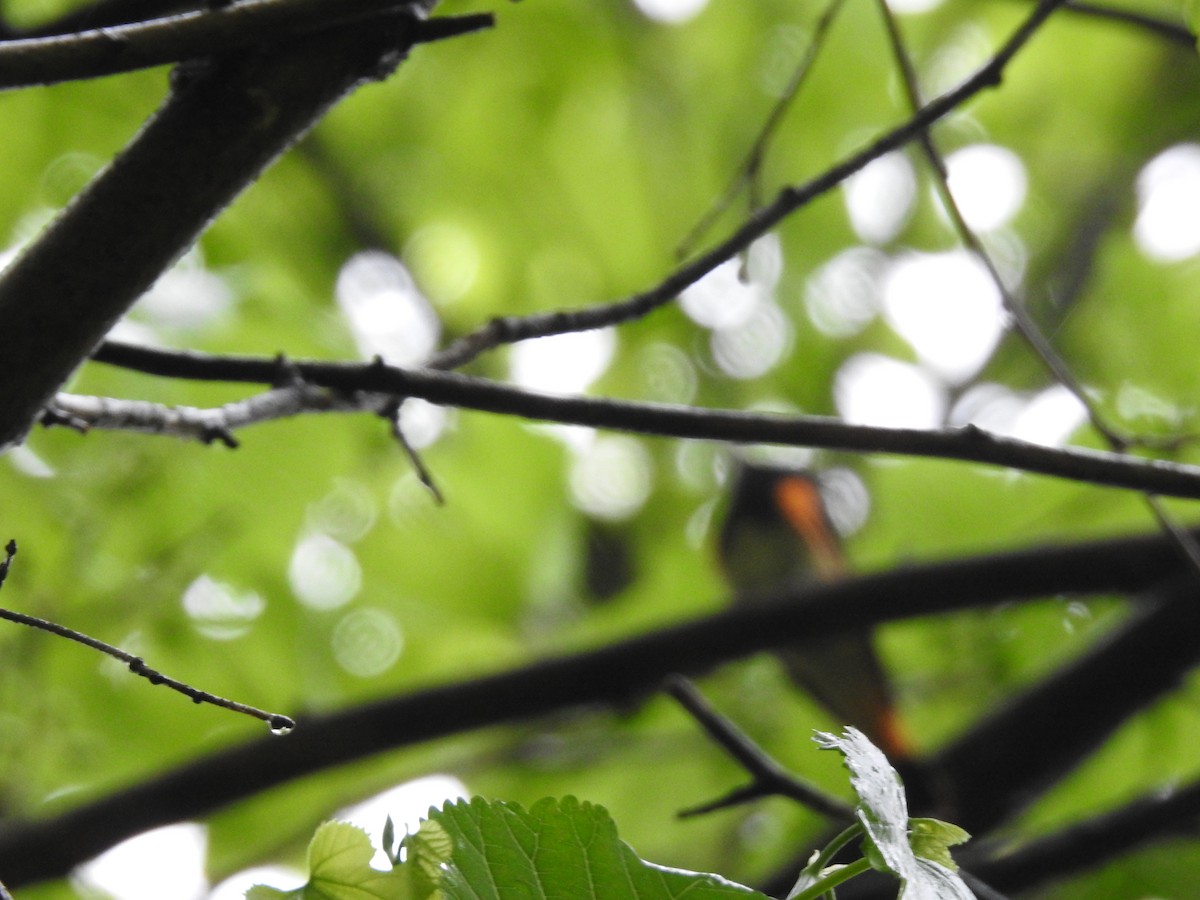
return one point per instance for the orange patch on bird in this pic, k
(799, 500)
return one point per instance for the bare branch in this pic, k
(194, 35)
(511, 329)
(222, 124)
(279, 724)
(1025, 325)
(969, 444)
(747, 173)
(85, 413)
(1174, 32)
(769, 777)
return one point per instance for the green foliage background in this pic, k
(572, 147)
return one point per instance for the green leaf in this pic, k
(933, 838)
(883, 811)
(558, 848)
(339, 862)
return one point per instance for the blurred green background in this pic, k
(555, 161)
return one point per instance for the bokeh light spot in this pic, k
(611, 479)
(422, 422)
(671, 12)
(367, 642)
(324, 573)
(139, 868)
(346, 513)
(732, 292)
(562, 363)
(387, 315)
(219, 611)
(1167, 227)
(988, 184)
(879, 198)
(843, 296)
(870, 389)
(187, 297)
(666, 374)
(753, 347)
(445, 259)
(948, 308)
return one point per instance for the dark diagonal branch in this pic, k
(511, 329)
(1011, 756)
(195, 34)
(48, 848)
(968, 444)
(1153, 25)
(1157, 816)
(221, 125)
(770, 779)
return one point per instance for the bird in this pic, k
(777, 537)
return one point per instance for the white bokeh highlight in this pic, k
(1048, 417)
(1167, 227)
(843, 296)
(988, 184)
(871, 389)
(220, 611)
(752, 348)
(367, 642)
(914, 6)
(163, 864)
(948, 308)
(387, 314)
(729, 294)
(671, 12)
(324, 573)
(611, 477)
(562, 363)
(749, 334)
(879, 198)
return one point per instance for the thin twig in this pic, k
(392, 414)
(769, 777)
(968, 444)
(747, 173)
(1026, 327)
(278, 723)
(507, 330)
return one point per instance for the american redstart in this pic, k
(777, 536)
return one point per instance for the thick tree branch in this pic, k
(221, 125)
(1011, 756)
(1156, 816)
(451, 389)
(191, 35)
(49, 848)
